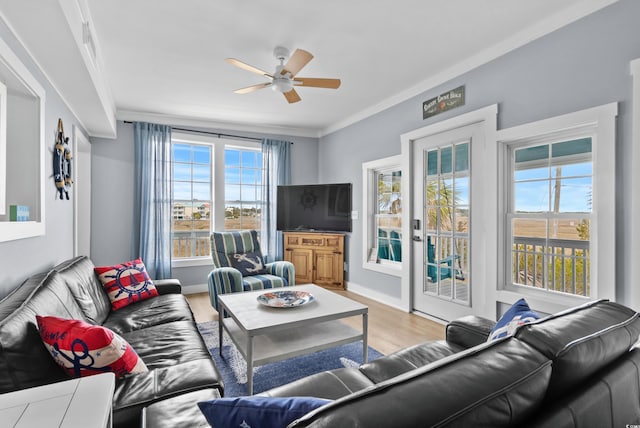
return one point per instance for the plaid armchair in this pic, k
(239, 266)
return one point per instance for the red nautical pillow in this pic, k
(126, 283)
(83, 349)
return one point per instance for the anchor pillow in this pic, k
(248, 263)
(126, 283)
(83, 349)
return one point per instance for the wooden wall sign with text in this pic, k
(443, 102)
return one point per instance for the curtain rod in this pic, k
(218, 134)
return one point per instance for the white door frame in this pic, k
(484, 247)
(81, 175)
(630, 261)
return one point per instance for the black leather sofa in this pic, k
(161, 330)
(578, 368)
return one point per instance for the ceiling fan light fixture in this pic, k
(282, 85)
(285, 80)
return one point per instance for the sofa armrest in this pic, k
(223, 280)
(469, 331)
(168, 286)
(283, 269)
(330, 384)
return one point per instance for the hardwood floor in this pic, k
(390, 329)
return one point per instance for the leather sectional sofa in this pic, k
(578, 368)
(161, 330)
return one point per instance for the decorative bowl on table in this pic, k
(285, 298)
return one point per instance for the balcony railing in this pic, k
(556, 264)
(188, 244)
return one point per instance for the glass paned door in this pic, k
(446, 209)
(442, 223)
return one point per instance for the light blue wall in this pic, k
(113, 187)
(582, 65)
(21, 258)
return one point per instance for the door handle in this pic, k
(417, 238)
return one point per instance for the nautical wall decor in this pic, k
(62, 163)
(443, 102)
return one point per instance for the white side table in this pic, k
(76, 403)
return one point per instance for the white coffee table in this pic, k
(264, 334)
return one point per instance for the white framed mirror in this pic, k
(3, 148)
(22, 179)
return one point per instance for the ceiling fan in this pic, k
(284, 79)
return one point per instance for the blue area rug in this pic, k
(233, 367)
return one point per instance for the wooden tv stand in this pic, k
(317, 256)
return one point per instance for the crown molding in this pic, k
(519, 39)
(175, 120)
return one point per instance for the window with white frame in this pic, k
(192, 199)
(243, 188)
(559, 208)
(383, 226)
(550, 215)
(217, 185)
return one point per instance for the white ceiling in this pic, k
(165, 59)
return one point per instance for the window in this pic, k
(388, 215)
(243, 188)
(383, 225)
(559, 208)
(192, 200)
(550, 215)
(217, 185)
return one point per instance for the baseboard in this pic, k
(195, 288)
(431, 318)
(374, 295)
(351, 286)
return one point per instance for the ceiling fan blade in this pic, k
(252, 88)
(317, 83)
(292, 96)
(247, 67)
(299, 59)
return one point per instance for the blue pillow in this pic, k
(248, 264)
(257, 412)
(519, 313)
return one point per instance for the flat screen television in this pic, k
(314, 207)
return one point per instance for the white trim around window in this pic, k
(218, 186)
(601, 120)
(370, 171)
